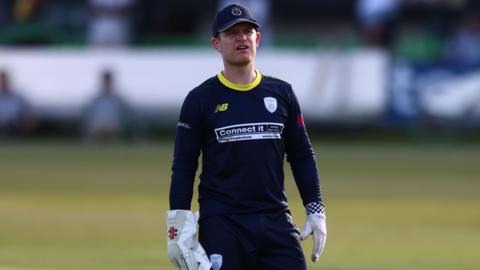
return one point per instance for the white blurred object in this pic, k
(348, 87)
(330, 86)
(376, 11)
(111, 22)
(453, 98)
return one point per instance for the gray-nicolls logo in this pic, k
(236, 11)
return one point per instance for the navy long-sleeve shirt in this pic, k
(243, 133)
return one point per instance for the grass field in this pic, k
(389, 206)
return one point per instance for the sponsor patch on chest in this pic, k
(251, 131)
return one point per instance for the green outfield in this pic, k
(389, 206)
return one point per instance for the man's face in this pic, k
(238, 44)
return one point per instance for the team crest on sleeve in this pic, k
(270, 104)
(216, 260)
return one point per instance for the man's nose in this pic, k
(241, 36)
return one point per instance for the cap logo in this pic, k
(236, 11)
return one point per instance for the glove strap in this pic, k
(314, 208)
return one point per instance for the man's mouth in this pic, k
(242, 47)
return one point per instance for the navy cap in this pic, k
(230, 15)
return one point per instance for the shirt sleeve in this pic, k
(186, 153)
(301, 156)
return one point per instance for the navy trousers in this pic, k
(252, 242)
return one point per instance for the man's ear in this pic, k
(257, 39)
(216, 43)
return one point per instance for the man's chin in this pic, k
(241, 62)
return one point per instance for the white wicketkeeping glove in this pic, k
(316, 225)
(184, 250)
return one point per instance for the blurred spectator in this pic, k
(464, 47)
(377, 19)
(111, 23)
(5, 14)
(262, 10)
(25, 10)
(15, 114)
(24, 23)
(107, 116)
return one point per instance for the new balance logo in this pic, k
(221, 107)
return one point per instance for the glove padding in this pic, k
(184, 250)
(316, 225)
